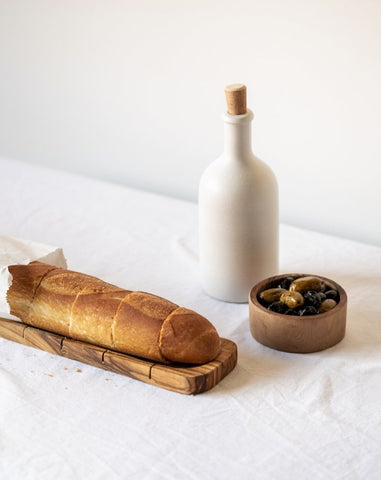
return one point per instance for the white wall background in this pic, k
(132, 92)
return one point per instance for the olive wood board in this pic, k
(181, 378)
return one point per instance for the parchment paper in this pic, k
(15, 251)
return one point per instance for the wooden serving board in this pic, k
(181, 378)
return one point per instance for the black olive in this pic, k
(332, 294)
(326, 287)
(309, 310)
(291, 311)
(321, 296)
(286, 282)
(312, 298)
(278, 307)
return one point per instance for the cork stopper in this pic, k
(236, 99)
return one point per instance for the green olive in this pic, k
(327, 305)
(271, 294)
(292, 299)
(303, 284)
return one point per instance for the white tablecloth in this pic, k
(276, 416)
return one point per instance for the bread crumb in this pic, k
(65, 368)
(78, 370)
(32, 371)
(50, 375)
(107, 379)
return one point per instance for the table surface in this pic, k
(276, 416)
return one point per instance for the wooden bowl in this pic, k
(291, 333)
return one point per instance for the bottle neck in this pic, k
(237, 135)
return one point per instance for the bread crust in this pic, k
(25, 281)
(85, 308)
(188, 337)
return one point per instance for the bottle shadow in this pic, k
(363, 327)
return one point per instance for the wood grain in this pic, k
(50, 342)
(198, 378)
(181, 378)
(13, 331)
(127, 365)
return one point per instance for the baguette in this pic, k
(85, 308)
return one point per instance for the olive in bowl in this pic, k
(308, 313)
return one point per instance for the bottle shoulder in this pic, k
(250, 172)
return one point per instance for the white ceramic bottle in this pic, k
(238, 211)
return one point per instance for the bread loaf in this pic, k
(85, 308)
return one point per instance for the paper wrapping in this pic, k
(15, 251)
